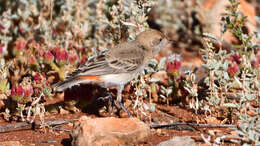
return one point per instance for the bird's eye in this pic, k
(160, 39)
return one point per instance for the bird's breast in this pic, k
(112, 80)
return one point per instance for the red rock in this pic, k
(109, 131)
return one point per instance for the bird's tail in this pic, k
(61, 86)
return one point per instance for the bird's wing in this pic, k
(123, 58)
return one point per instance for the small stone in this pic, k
(109, 131)
(178, 141)
(10, 143)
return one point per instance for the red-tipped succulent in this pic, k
(17, 92)
(48, 57)
(56, 49)
(173, 64)
(20, 46)
(28, 90)
(32, 60)
(36, 91)
(61, 55)
(40, 55)
(73, 57)
(235, 57)
(37, 78)
(233, 69)
(83, 60)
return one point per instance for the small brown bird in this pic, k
(117, 66)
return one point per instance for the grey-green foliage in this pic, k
(82, 23)
(236, 94)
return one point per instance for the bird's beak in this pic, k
(172, 42)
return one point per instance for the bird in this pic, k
(118, 65)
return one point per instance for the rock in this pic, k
(109, 131)
(178, 141)
(10, 143)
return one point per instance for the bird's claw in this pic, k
(111, 102)
(121, 106)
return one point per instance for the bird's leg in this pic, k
(110, 99)
(119, 100)
(110, 102)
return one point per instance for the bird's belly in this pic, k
(113, 80)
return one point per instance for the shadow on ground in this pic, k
(88, 98)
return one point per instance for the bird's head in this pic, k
(152, 40)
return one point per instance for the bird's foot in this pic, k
(110, 100)
(120, 105)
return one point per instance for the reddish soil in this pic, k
(163, 114)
